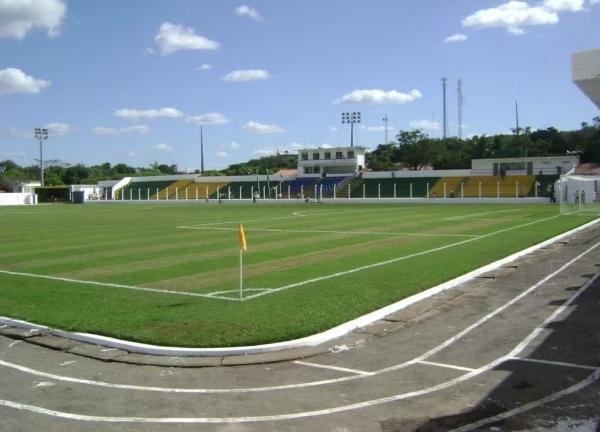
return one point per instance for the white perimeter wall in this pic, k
(17, 198)
(417, 174)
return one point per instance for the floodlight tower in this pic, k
(41, 134)
(445, 113)
(351, 118)
(460, 109)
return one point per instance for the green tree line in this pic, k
(415, 150)
(412, 150)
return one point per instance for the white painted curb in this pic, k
(308, 341)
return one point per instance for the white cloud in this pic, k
(424, 124)
(141, 129)
(264, 152)
(377, 128)
(513, 16)
(221, 155)
(248, 12)
(458, 37)
(204, 67)
(58, 128)
(208, 119)
(13, 80)
(163, 147)
(17, 18)
(565, 5)
(233, 145)
(379, 97)
(134, 114)
(325, 146)
(241, 75)
(17, 154)
(296, 146)
(20, 133)
(259, 128)
(172, 38)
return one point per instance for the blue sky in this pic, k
(130, 81)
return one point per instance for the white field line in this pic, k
(405, 364)
(335, 368)
(479, 214)
(394, 260)
(359, 405)
(447, 366)
(295, 215)
(531, 405)
(111, 285)
(555, 363)
(193, 227)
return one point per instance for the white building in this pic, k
(335, 160)
(548, 165)
(585, 66)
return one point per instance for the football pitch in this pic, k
(169, 274)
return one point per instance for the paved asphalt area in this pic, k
(517, 349)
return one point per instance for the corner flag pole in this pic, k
(242, 239)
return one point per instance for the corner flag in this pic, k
(242, 238)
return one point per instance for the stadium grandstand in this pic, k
(320, 175)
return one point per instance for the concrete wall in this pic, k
(17, 198)
(417, 174)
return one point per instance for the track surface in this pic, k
(518, 350)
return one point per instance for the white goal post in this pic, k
(578, 194)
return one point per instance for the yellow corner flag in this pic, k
(242, 238)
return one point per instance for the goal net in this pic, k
(578, 194)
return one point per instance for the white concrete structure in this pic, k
(550, 165)
(334, 160)
(585, 67)
(17, 198)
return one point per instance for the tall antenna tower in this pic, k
(445, 116)
(385, 122)
(517, 128)
(460, 109)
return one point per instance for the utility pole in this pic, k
(460, 109)
(41, 134)
(201, 151)
(385, 122)
(445, 113)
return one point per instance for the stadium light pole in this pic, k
(351, 118)
(41, 134)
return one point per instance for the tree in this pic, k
(76, 174)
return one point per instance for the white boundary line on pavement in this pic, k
(359, 405)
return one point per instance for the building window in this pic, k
(350, 155)
(304, 156)
(339, 155)
(315, 156)
(327, 155)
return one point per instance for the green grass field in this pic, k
(307, 268)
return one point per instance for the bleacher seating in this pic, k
(247, 188)
(329, 183)
(447, 187)
(141, 189)
(504, 187)
(298, 185)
